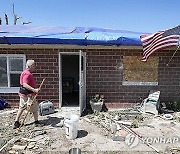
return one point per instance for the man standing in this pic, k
(27, 92)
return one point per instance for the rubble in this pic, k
(100, 132)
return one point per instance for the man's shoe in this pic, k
(16, 125)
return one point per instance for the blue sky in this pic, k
(132, 15)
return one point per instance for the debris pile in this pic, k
(94, 130)
(119, 123)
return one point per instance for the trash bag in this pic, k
(3, 103)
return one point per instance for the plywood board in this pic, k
(136, 70)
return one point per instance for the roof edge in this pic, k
(47, 46)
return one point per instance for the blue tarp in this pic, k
(26, 34)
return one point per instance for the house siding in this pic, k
(103, 75)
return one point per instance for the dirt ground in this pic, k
(95, 134)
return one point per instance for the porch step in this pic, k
(69, 110)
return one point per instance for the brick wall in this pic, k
(47, 67)
(104, 75)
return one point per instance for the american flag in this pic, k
(159, 40)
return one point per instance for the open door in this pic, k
(82, 81)
(72, 81)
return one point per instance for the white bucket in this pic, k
(75, 151)
(71, 124)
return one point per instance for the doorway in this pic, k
(72, 81)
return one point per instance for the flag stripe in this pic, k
(158, 48)
(162, 46)
(159, 40)
(149, 38)
(152, 40)
(149, 44)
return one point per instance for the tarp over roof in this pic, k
(26, 34)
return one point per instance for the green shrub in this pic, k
(173, 105)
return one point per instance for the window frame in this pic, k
(8, 56)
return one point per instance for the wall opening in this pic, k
(70, 80)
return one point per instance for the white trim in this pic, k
(129, 83)
(13, 55)
(82, 81)
(8, 70)
(9, 90)
(60, 81)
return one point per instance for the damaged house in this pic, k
(81, 62)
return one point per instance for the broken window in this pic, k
(136, 72)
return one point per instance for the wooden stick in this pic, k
(139, 136)
(133, 132)
(4, 146)
(31, 104)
